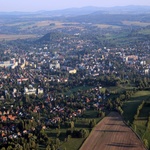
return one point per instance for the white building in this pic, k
(40, 91)
(30, 90)
(7, 63)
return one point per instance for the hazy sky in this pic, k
(34, 5)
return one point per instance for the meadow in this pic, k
(130, 107)
(79, 123)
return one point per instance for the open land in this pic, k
(130, 109)
(15, 37)
(112, 134)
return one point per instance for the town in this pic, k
(50, 83)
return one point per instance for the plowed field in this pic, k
(112, 134)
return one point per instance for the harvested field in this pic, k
(15, 37)
(112, 134)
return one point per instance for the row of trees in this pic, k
(74, 133)
(138, 110)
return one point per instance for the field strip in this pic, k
(15, 37)
(112, 134)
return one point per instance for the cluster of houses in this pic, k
(33, 72)
(59, 112)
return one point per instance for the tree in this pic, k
(53, 147)
(92, 123)
(148, 123)
(18, 147)
(134, 127)
(72, 124)
(101, 114)
(57, 142)
(32, 144)
(120, 110)
(48, 147)
(49, 141)
(146, 143)
(83, 133)
(9, 148)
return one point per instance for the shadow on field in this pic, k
(109, 131)
(111, 124)
(122, 145)
(116, 119)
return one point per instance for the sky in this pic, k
(36, 5)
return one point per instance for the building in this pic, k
(40, 91)
(30, 90)
(54, 65)
(73, 71)
(7, 63)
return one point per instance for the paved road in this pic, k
(112, 134)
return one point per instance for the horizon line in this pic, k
(34, 11)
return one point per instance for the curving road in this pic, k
(112, 134)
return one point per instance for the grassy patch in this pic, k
(136, 23)
(130, 109)
(73, 144)
(79, 88)
(103, 90)
(80, 123)
(121, 88)
(144, 32)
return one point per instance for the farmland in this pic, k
(72, 82)
(15, 37)
(112, 133)
(136, 99)
(130, 108)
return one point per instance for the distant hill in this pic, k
(72, 11)
(131, 9)
(111, 19)
(49, 37)
(88, 10)
(63, 12)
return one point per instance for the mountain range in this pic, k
(131, 9)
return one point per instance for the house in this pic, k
(10, 117)
(73, 71)
(30, 90)
(54, 65)
(7, 63)
(40, 91)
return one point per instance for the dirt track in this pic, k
(112, 134)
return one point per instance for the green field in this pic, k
(144, 32)
(130, 109)
(80, 123)
(136, 23)
(76, 89)
(75, 143)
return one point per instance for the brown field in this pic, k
(112, 134)
(136, 23)
(46, 23)
(15, 37)
(105, 26)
